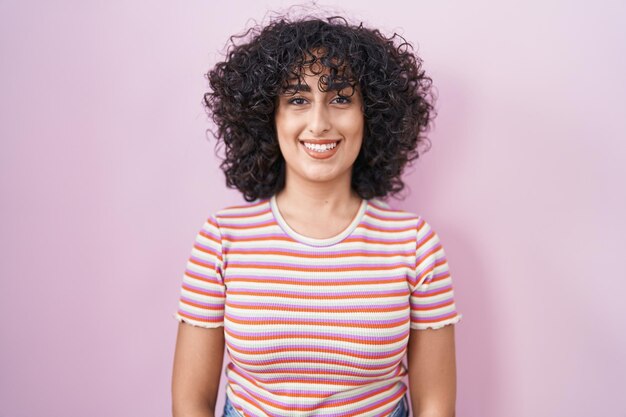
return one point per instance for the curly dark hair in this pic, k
(398, 102)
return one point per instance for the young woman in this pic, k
(317, 287)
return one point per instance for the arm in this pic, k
(197, 369)
(432, 372)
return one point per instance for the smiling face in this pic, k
(319, 132)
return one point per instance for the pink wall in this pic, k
(105, 177)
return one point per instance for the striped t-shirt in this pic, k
(316, 327)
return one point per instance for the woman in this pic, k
(316, 286)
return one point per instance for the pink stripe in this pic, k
(291, 348)
(318, 378)
(199, 317)
(436, 254)
(433, 305)
(204, 304)
(359, 365)
(430, 291)
(326, 267)
(288, 334)
(323, 308)
(203, 290)
(203, 262)
(326, 281)
(305, 294)
(317, 322)
(356, 252)
(231, 237)
(430, 318)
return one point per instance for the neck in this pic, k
(318, 200)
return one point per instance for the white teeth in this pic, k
(320, 148)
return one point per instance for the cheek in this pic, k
(286, 126)
(354, 124)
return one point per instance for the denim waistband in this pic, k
(401, 410)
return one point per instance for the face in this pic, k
(319, 132)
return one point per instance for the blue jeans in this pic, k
(229, 410)
(401, 410)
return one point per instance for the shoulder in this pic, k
(383, 211)
(241, 213)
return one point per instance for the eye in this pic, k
(342, 100)
(297, 101)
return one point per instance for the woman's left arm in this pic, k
(432, 372)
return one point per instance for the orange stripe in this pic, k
(209, 251)
(249, 226)
(316, 381)
(364, 309)
(368, 227)
(197, 291)
(321, 323)
(208, 236)
(317, 255)
(418, 308)
(416, 293)
(202, 306)
(207, 265)
(311, 336)
(426, 242)
(319, 362)
(209, 320)
(368, 240)
(442, 277)
(298, 268)
(424, 320)
(380, 242)
(425, 272)
(265, 280)
(225, 238)
(201, 278)
(318, 297)
(436, 264)
(267, 351)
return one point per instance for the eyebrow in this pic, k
(297, 87)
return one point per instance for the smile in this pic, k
(320, 149)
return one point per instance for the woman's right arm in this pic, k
(197, 369)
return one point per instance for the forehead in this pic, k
(304, 76)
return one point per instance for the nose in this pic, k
(319, 120)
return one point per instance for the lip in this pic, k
(320, 155)
(320, 141)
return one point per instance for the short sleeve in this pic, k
(202, 294)
(432, 297)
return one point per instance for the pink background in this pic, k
(106, 176)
